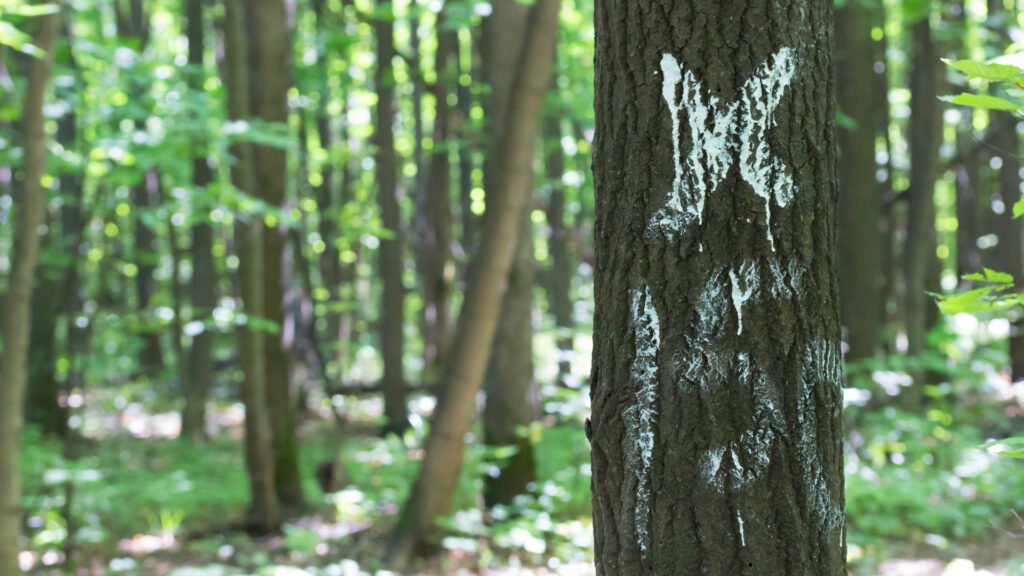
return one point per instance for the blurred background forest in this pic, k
(256, 221)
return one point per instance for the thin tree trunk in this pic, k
(434, 489)
(437, 268)
(392, 251)
(968, 198)
(465, 95)
(925, 138)
(561, 271)
(17, 302)
(717, 382)
(1009, 253)
(259, 446)
(860, 196)
(204, 272)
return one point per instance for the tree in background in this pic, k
(270, 81)
(17, 302)
(391, 262)
(434, 488)
(860, 196)
(717, 396)
(259, 445)
(204, 273)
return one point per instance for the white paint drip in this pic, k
(821, 364)
(717, 132)
(644, 372)
(761, 95)
(748, 278)
(710, 154)
(710, 463)
(703, 357)
(739, 521)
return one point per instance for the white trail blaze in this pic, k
(644, 373)
(719, 132)
(765, 173)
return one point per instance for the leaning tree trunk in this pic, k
(392, 305)
(18, 302)
(717, 380)
(860, 196)
(270, 82)
(512, 402)
(204, 273)
(434, 489)
(263, 509)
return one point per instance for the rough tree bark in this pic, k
(259, 460)
(204, 272)
(17, 303)
(717, 380)
(434, 488)
(860, 196)
(270, 82)
(391, 260)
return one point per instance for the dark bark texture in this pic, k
(717, 383)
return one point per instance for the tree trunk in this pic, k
(919, 253)
(968, 197)
(392, 251)
(263, 509)
(717, 381)
(18, 301)
(434, 488)
(468, 219)
(1009, 253)
(43, 407)
(204, 272)
(270, 81)
(561, 271)
(512, 401)
(437, 268)
(860, 198)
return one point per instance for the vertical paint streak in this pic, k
(747, 277)
(671, 78)
(718, 132)
(739, 521)
(760, 96)
(644, 374)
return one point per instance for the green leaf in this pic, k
(1018, 208)
(991, 275)
(32, 11)
(975, 302)
(11, 36)
(985, 71)
(983, 101)
(1009, 447)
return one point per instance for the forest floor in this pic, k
(923, 498)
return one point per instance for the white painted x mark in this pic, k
(721, 132)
